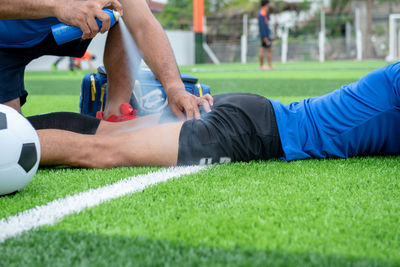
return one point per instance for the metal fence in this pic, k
(298, 50)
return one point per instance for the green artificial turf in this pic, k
(273, 213)
(51, 184)
(315, 212)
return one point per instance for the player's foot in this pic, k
(127, 113)
(271, 67)
(264, 68)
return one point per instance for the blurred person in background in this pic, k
(88, 57)
(265, 35)
(71, 66)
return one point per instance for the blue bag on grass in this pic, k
(93, 92)
(148, 95)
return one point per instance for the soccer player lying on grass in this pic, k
(360, 119)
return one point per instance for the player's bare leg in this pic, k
(112, 128)
(269, 58)
(261, 58)
(152, 146)
(119, 81)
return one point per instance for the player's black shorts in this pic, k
(265, 44)
(241, 127)
(14, 60)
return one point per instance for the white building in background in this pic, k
(286, 19)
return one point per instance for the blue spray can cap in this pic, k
(64, 33)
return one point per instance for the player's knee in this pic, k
(15, 104)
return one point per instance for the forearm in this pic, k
(159, 56)
(26, 9)
(153, 42)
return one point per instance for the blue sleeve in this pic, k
(30, 31)
(361, 118)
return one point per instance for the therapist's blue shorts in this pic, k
(14, 60)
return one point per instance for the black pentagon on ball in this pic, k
(3, 121)
(28, 156)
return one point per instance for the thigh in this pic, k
(12, 68)
(263, 43)
(241, 127)
(14, 60)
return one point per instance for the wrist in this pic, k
(53, 8)
(46, 8)
(173, 88)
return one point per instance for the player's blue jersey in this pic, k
(263, 23)
(362, 118)
(23, 33)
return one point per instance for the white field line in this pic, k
(55, 211)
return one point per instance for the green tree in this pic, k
(177, 14)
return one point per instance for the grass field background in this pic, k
(312, 212)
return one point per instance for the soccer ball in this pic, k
(19, 151)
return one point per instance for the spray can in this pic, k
(64, 33)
